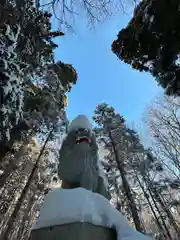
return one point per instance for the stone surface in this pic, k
(74, 231)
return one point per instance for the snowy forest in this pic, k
(144, 179)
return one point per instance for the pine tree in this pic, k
(156, 21)
(11, 81)
(32, 87)
(28, 55)
(145, 174)
(114, 128)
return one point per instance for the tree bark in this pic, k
(169, 214)
(157, 208)
(13, 164)
(151, 207)
(126, 186)
(24, 219)
(15, 134)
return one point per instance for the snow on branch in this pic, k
(11, 81)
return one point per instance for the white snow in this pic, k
(9, 33)
(81, 121)
(101, 174)
(8, 134)
(151, 18)
(62, 206)
(8, 30)
(13, 85)
(5, 64)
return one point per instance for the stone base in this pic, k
(74, 231)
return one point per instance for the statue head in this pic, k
(80, 122)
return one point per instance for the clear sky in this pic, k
(101, 75)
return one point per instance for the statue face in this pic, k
(78, 136)
(77, 143)
(83, 135)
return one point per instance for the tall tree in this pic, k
(22, 52)
(156, 21)
(32, 88)
(5, 233)
(27, 49)
(147, 178)
(162, 119)
(114, 127)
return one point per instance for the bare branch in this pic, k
(95, 11)
(164, 127)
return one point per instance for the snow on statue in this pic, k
(78, 162)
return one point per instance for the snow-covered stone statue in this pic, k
(79, 164)
(81, 209)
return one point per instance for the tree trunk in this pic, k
(126, 186)
(25, 226)
(168, 212)
(13, 163)
(5, 234)
(24, 219)
(15, 135)
(157, 208)
(118, 204)
(152, 209)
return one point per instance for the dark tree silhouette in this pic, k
(151, 42)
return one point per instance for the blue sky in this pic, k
(101, 76)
